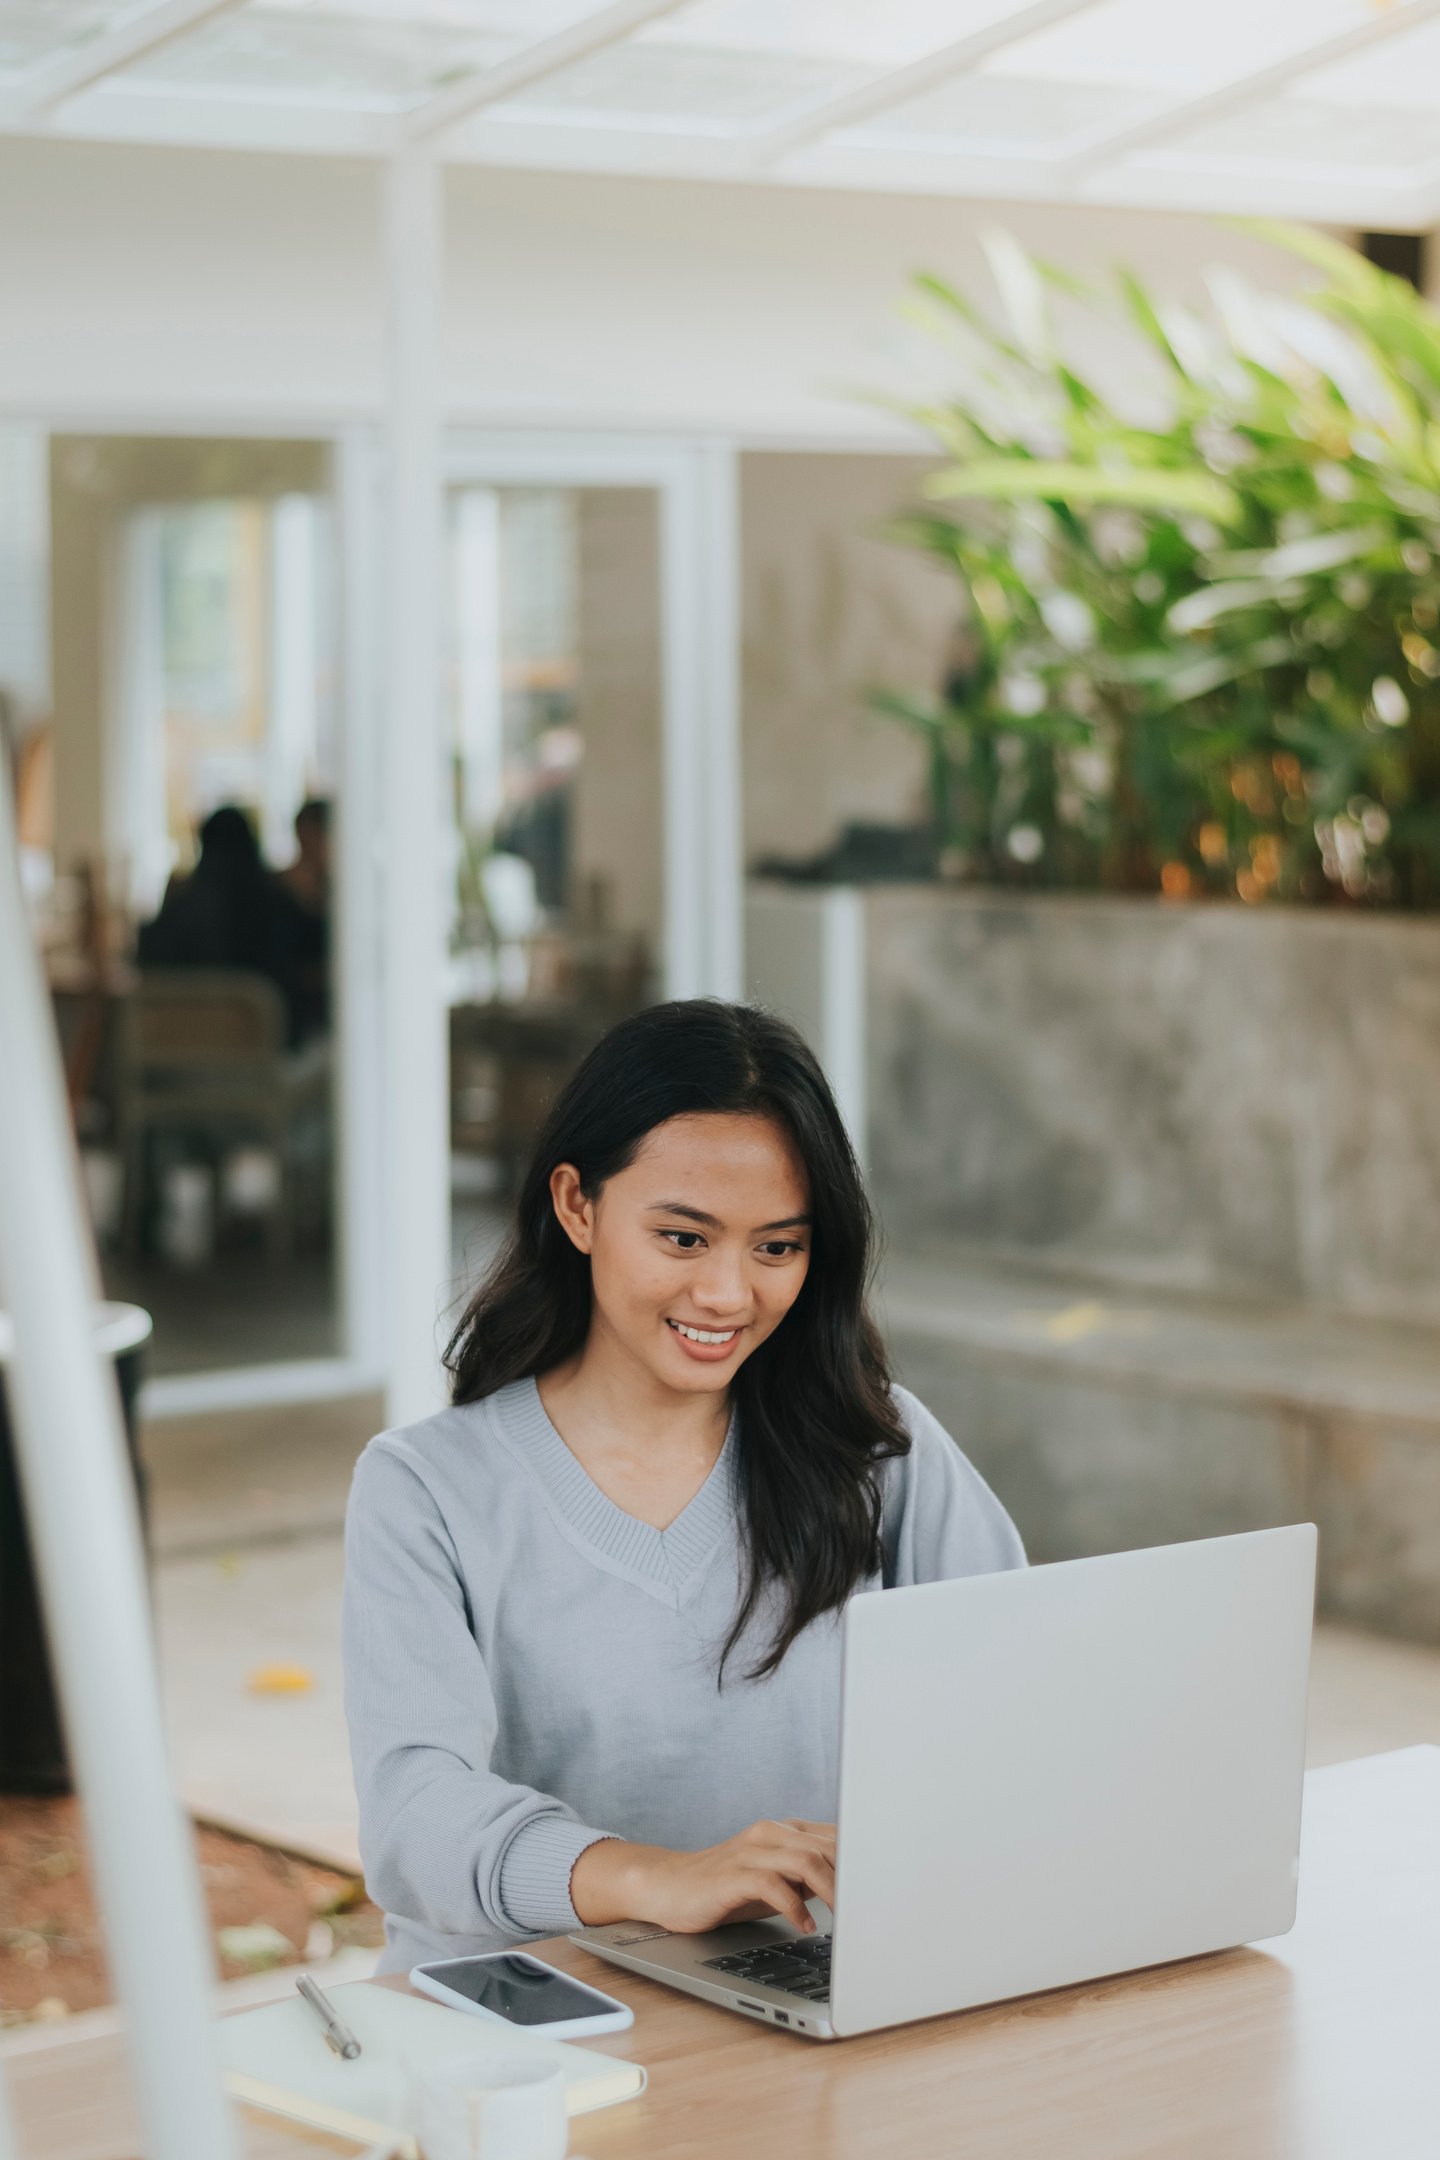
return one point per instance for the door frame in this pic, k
(702, 951)
(696, 481)
(355, 1368)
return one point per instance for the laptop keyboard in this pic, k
(797, 1968)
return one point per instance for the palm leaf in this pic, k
(1023, 479)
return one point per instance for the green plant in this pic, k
(1198, 648)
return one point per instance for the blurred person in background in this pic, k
(308, 878)
(223, 914)
(305, 920)
(230, 912)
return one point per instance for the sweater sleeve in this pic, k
(445, 1842)
(941, 1518)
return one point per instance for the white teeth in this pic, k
(695, 1334)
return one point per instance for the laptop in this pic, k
(1046, 1776)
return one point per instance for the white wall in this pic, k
(176, 283)
(830, 611)
(167, 284)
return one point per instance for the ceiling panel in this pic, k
(649, 84)
(35, 32)
(372, 55)
(1403, 70)
(704, 87)
(983, 115)
(1181, 50)
(1398, 143)
(859, 31)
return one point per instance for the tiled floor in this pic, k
(247, 1515)
(218, 1484)
(276, 1764)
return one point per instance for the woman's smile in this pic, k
(710, 1345)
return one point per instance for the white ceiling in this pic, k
(1325, 109)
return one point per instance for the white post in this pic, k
(80, 1508)
(137, 834)
(293, 722)
(478, 656)
(704, 897)
(722, 811)
(842, 1009)
(357, 959)
(418, 853)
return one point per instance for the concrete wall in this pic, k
(829, 610)
(178, 283)
(1089, 1462)
(1210, 1099)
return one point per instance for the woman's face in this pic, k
(698, 1249)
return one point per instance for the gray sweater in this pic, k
(528, 1668)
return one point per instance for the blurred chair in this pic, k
(203, 1056)
(509, 1058)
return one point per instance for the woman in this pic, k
(592, 1610)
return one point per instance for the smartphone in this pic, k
(516, 1989)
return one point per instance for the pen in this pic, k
(337, 2035)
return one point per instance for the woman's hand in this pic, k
(770, 1868)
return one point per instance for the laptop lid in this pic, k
(1066, 1771)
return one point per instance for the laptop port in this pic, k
(758, 2008)
(782, 2017)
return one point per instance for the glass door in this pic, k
(184, 851)
(555, 689)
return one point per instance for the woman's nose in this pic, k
(721, 1288)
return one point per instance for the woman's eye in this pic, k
(686, 1240)
(778, 1249)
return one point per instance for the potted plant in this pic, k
(1199, 641)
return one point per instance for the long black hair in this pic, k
(814, 1410)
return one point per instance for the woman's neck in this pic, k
(649, 1448)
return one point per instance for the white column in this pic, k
(704, 884)
(80, 1507)
(478, 656)
(807, 961)
(358, 952)
(720, 811)
(293, 721)
(417, 839)
(137, 837)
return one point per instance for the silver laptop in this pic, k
(1045, 1776)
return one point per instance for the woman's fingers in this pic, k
(819, 1877)
(807, 1864)
(814, 1852)
(814, 1837)
(783, 1898)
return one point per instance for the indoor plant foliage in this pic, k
(1199, 645)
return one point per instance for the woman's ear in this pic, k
(574, 1213)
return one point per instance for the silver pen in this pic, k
(337, 2034)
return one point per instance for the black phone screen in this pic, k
(517, 1988)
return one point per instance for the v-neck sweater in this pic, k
(528, 1668)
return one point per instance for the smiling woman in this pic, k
(592, 1653)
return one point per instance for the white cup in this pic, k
(492, 2107)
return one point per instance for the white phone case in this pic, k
(614, 2017)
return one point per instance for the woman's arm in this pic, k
(444, 1840)
(941, 1518)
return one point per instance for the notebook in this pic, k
(276, 2058)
